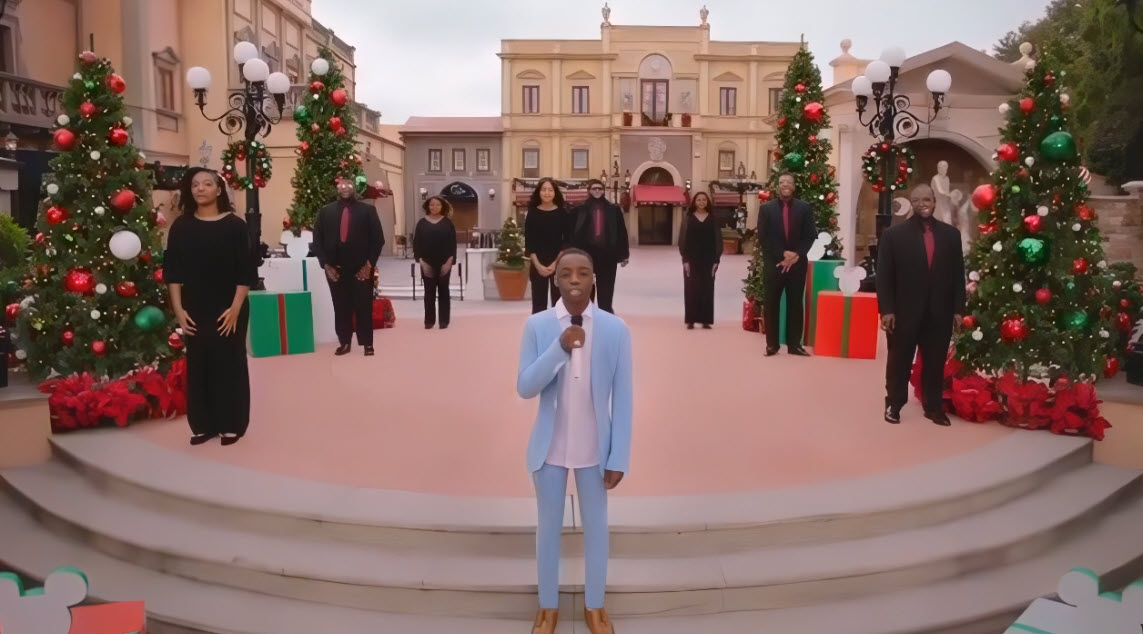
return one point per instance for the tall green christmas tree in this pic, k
(327, 149)
(511, 253)
(1040, 300)
(96, 302)
(802, 152)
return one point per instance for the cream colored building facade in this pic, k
(152, 43)
(665, 105)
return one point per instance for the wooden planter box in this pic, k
(511, 283)
(730, 246)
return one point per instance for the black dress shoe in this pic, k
(690, 326)
(939, 418)
(706, 326)
(368, 351)
(799, 352)
(201, 438)
(230, 440)
(443, 326)
(892, 414)
(343, 349)
(772, 351)
(429, 326)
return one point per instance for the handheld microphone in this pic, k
(576, 354)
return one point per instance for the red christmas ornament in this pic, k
(814, 111)
(317, 87)
(67, 337)
(986, 229)
(968, 321)
(64, 139)
(984, 197)
(1043, 296)
(782, 121)
(123, 200)
(98, 348)
(79, 280)
(1013, 329)
(800, 88)
(11, 312)
(39, 238)
(286, 224)
(1049, 79)
(315, 128)
(118, 137)
(1085, 213)
(335, 123)
(175, 341)
(1008, 152)
(145, 257)
(884, 147)
(1079, 266)
(159, 275)
(116, 84)
(87, 57)
(813, 139)
(341, 132)
(814, 178)
(339, 97)
(1110, 367)
(831, 198)
(56, 215)
(1023, 173)
(1027, 105)
(765, 195)
(1123, 322)
(1033, 223)
(777, 155)
(126, 288)
(87, 109)
(1123, 303)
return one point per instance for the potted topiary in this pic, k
(510, 270)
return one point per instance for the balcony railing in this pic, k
(27, 102)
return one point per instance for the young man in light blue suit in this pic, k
(577, 359)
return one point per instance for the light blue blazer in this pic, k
(541, 359)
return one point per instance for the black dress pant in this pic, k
(793, 284)
(932, 336)
(542, 288)
(605, 282)
(437, 293)
(352, 303)
(218, 378)
(698, 294)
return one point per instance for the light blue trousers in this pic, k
(551, 488)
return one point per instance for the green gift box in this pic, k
(819, 277)
(281, 323)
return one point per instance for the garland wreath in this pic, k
(898, 155)
(237, 152)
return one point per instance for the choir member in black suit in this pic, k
(598, 227)
(208, 266)
(786, 231)
(434, 248)
(545, 236)
(700, 244)
(347, 243)
(921, 296)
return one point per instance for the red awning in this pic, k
(658, 195)
(727, 199)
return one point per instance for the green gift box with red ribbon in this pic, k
(819, 277)
(281, 323)
(847, 325)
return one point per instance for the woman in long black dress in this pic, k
(209, 268)
(700, 243)
(545, 235)
(434, 248)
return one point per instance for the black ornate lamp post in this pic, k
(891, 117)
(248, 113)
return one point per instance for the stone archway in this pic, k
(465, 208)
(967, 169)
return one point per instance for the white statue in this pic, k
(940, 183)
(703, 13)
(606, 14)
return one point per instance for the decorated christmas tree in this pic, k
(511, 245)
(95, 297)
(1040, 295)
(802, 152)
(326, 149)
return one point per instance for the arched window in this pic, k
(654, 88)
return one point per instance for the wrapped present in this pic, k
(57, 608)
(383, 314)
(109, 618)
(847, 325)
(281, 323)
(749, 316)
(819, 277)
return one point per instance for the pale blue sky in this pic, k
(438, 57)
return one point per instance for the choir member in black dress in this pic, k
(599, 227)
(347, 243)
(434, 248)
(209, 268)
(545, 236)
(700, 243)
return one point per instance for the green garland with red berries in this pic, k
(900, 156)
(237, 153)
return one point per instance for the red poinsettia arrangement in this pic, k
(80, 401)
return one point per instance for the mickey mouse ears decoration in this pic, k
(55, 609)
(1083, 609)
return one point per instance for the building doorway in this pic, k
(656, 222)
(465, 209)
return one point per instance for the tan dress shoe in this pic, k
(597, 621)
(546, 622)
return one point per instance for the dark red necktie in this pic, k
(598, 222)
(929, 244)
(786, 219)
(344, 224)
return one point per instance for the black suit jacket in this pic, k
(772, 233)
(618, 248)
(366, 238)
(906, 286)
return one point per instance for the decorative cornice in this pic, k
(552, 56)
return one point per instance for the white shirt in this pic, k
(575, 439)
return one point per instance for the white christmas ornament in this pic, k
(1018, 287)
(95, 155)
(63, 119)
(101, 288)
(53, 189)
(1030, 161)
(27, 301)
(95, 314)
(125, 245)
(1104, 334)
(1076, 227)
(127, 121)
(142, 156)
(99, 211)
(320, 66)
(1065, 98)
(1004, 108)
(974, 276)
(997, 247)
(977, 335)
(77, 76)
(1042, 210)
(21, 355)
(1102, 264)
